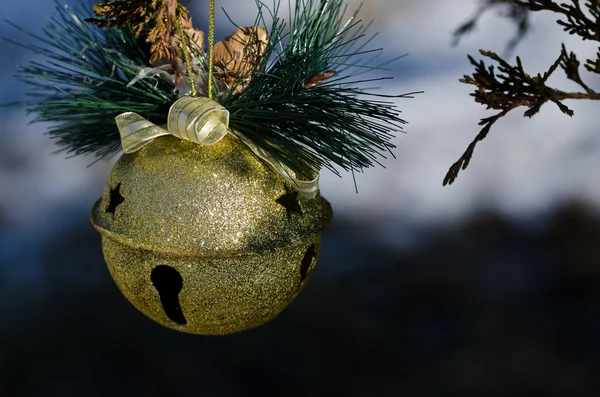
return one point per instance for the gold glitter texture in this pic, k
(206, 239)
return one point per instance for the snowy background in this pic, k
(523, 168)
(521, 173)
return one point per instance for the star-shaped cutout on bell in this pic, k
(114, 199)
(290, 202)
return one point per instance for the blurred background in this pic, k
(489, 287)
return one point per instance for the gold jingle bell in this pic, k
(207, 239)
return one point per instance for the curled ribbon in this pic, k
(205, 122)
(200, 120)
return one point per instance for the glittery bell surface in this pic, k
(206, 239)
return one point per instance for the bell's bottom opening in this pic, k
(211, 295)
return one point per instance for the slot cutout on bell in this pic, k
(309, 256)
(168, 282)
(114, 199)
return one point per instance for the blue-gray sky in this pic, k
(522, 168)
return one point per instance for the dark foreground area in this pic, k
(486, 308)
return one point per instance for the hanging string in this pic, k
(211, 46)
(186, 56)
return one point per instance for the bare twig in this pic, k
(510, 87)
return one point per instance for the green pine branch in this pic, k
(332, 124)
(81, 84)
(294, 108)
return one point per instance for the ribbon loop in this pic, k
(199, 120)
(136, 132)
(306, 189)
(205, 122)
